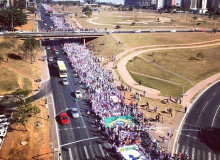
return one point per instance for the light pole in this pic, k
(182, 94)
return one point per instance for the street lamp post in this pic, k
(182, 94)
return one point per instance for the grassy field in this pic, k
(141, 66)
(165, 88)
(195, 70)
(110, 48)
(134, 40)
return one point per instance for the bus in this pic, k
(62, 68)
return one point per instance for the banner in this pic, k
(124, 134)
(127, 148)
(120, 120)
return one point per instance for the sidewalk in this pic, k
(151, 93)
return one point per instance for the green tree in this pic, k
(195, 18)
(87, 8)
(88, 13)
(20, 4)
(137, 6)
(23, 112)
(32, 9)
(31, 44)
(1, 59)
(215, 30)
(200, 55)
(6, 16)
(118, 27)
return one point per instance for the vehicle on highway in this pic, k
(136, 31)
(54, 48)
(50, 59)
(65, 82)
(52, 65)
(57, 58)
(56, 52)
(51, 27)
(76, 31)
(64, 118)
(45, 24)
(21, 31)
(48, 47)
(203, 30)
(173, 30)
(1, 33)
(62, 68)
(191, 30)
(75, 112)
(152, 30)
(78, 94)
(99, 30)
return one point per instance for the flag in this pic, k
(120, 120)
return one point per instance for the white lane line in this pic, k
(70, 153)
(203, 153)
(191, 125)
(177, 148)
(188, 136)
(87, 156)
(183, 149)
(198, 154)
(214, 156)
(215, 116)
(78, 141)
(73, 128)
(76, 154)
(193, 153)
(201, 113)
(90, 147)
(209, 155)
(214, 94)
(100, 146)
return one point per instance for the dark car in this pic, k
(52, 65)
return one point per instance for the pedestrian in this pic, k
(144, 93)
(180, 100)
(119, 78)
(162, 118)
(7, 60)
(185, 109)
(107, 155)
(163, 139)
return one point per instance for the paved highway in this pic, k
(81, 138)
(204, 115)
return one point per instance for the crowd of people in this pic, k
(100, 84)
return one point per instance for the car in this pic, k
(203, 30)
(152, 30)
(78, 94)
(173, 30)
(48, 47)
(65, 81)
(76, 31)
(52, 65)
(191, 30)
(75, 112)
(51, 27)
(50, 59)
(57, 58)
(1, 33)
(45, 24)
(99, 30)
(54, 48)
(136, 31)
(64, 118)
(56, 52)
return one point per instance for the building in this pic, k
(174, 2)
(156, 4)
(199, 6)
(89, 1)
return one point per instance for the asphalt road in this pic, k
(81, 138)
(204, 115)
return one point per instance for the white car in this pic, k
(56, 52)
(152, 30)
(65, 82)
(136, 31)
(76, 31)
(21, 31)
(50, 59)
(78, 93)
(51, 27)
(75, 112)
(1, 33)
(48, 47)
(173, 30)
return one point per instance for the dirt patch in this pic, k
(37, 138)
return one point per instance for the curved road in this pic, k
(204, 116)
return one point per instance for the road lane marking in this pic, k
(188, 136)
(215, 116)
(177, 148)
(214, 94)
(87, 156)
(70, 153)
(78, 141)
(209, 156)
(90, 147)
(73, 128)
(100, 146)
(198, 154)
(203, 155)
(183, 149)
(193, 153)
(76, 154)
(191, 125)
(201, 112)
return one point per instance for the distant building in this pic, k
(196, 5)
(174, 2)
(90, 1)
(156, 4)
